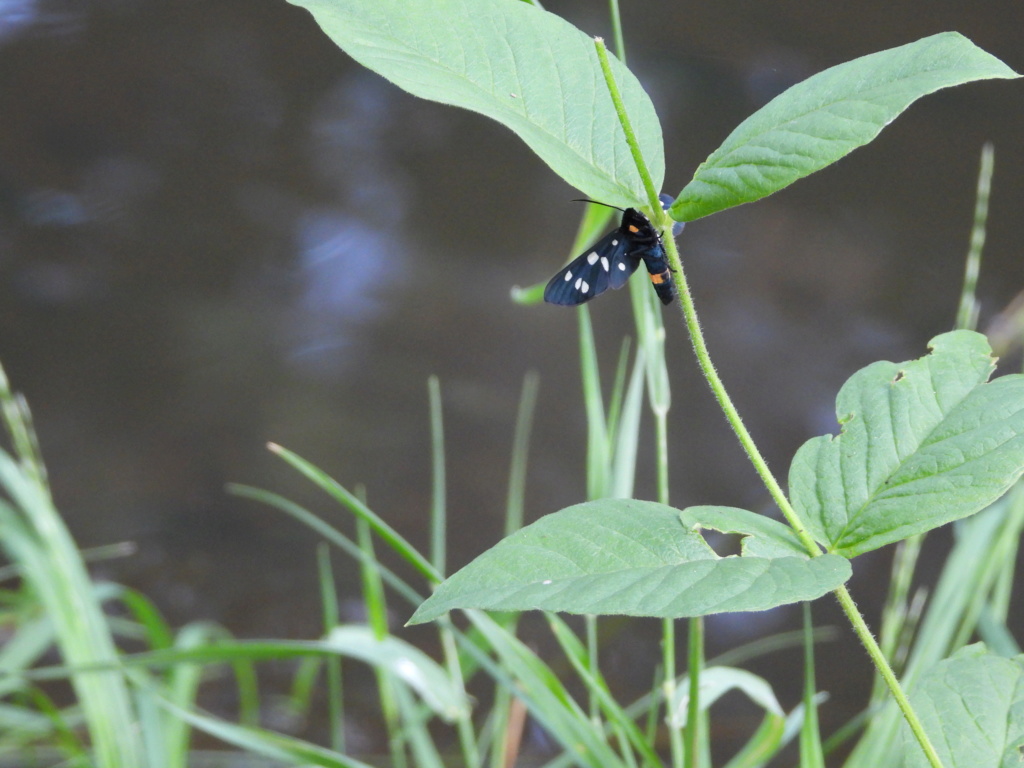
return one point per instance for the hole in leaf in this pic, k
(723, 544)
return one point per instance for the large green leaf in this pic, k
(526, 68)
(972, 708)
(639, 558)
(922, 443)
(825, 117)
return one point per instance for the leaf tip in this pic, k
(420, 616)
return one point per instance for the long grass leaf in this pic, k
(262, 742)
(328, 532)
(593, 404)
(49, 560)
(627, 433)
(762, 746)
(514, 503)
(547, 698)
(395, 540)
(967, 314)
(580, 660)
(331, 619)
(415, 733)
(438, 510)
(811, 755)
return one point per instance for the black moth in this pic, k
(611, 261)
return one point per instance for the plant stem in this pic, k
(896, 609)
(725, 402)
(514, 504)
(627, 128)
(620, 45)
(732, 415)
(464, 725)
(661, 451)
(662, 220)
(438, 512)
(967, 314)
(680, 750)
(329, 609)
(668, 691)
(594, 705)
(693, 735)
(811, 753)
(871, 646)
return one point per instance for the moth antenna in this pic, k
(595, 202)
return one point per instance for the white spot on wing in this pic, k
(592, 258)
(615, 242)
(622, 266)
(579, 281)
(604, 263)
(568, 275)
(585, 287)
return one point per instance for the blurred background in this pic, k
(216, 231)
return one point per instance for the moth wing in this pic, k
(622, 261)
(608, 264)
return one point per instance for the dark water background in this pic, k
(216, 230)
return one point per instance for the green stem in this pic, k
(438, 514)
(871, 646)
(514, 504)
(732, 415)
(329, 608)
(680, 749)
(464, 725)
(811, 753)
(627, 128)
(725, 402)
(692, 736)
(620, 45)
(594, 704)
(668, 690)
(663, 221)
(967, 314)
(661, 427)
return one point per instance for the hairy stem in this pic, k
(692, 323)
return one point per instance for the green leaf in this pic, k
(406, 662)
(277, 746)
(762, 746)
(715, 682)
(827, 116)
(618, 719)
(639, 558)
(763, 537)
(524, 67)
(922, 443)
(972, 708)
(546, 697)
